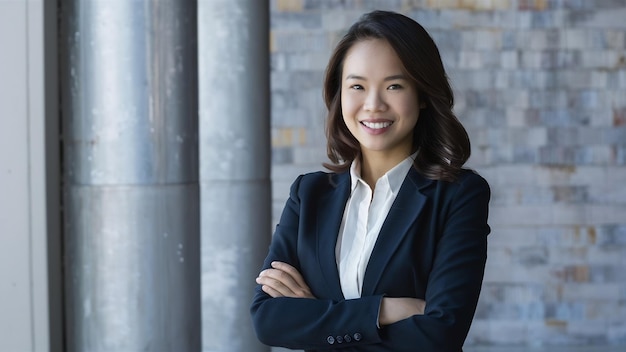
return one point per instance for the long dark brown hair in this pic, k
(441, 141)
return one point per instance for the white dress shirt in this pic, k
(362, 220)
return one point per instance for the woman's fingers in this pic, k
(292, 272)
(279, 282)
(271, 291)
(283, 280)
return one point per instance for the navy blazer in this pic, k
(432, 246)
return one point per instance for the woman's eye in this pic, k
(356, 87)
(394, 87)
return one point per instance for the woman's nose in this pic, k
(374, 101)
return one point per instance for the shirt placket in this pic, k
(361, 235)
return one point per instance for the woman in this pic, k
(387, 253)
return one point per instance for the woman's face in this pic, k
(379, 103)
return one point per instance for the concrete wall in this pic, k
(541, 88)
(28, 236)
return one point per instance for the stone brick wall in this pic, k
(541, 87)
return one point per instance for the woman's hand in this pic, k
(283, 280)
(394, 309)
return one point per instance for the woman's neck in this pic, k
(374, 165)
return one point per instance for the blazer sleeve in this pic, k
(310, 324)
(455, 280)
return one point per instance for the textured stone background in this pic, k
(541, 87)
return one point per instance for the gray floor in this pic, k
(527, 349)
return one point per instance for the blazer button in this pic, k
(347, 338)
(339, 339)
(330, 340)
(357, 336)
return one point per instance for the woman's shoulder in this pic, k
(467, 180)
(463, 177)
(323, 179)
(471, 176)
(319, 181)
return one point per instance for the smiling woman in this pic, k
(380, 106)
(387, 252)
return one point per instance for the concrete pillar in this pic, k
(129, 103)
(235, 166)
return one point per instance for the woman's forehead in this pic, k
(372, 57)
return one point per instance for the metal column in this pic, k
(235, 166)
(130, 135)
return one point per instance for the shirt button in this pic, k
(330, 340)
(347, 338)
(357, 336)
(339, 339)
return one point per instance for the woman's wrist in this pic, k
(395, 309)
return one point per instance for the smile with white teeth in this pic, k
(377, 125)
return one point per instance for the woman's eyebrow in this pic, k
(389, 78)
(352, 76)
(395, 77)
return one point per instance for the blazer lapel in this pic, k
(330, 212)
(403, 213)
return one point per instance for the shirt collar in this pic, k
(393, 177)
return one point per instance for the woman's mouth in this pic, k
(376, 125)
